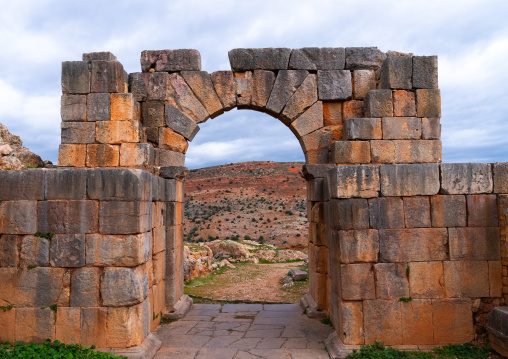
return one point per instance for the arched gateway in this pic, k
(402, 249)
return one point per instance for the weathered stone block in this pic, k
(354, 181)
(452, 321)
(468, 279)
(22, 185)
(78, 132)
(317, 58)
(98, 107)
(174, 214)
(500, 174)
(332, 113)
(9, 281)
(224, 84)
(482, 211)
(118, 250)
(8, 325)
(101, 56)
(495, 279)
(71, 155)
(310, 121)
(397, 72)
(67, 216)
(391, 280)
(425, 72)
(107, 76)
(382, 321)
(350, 152)
(128, 326)
(404, 103)
(448, 211)
(413, 245)
(116, 217)
(75, 77)
(34, 251)
(181, 96)
(104, 155)
(152, 114)
(73, 108)
(137, 155)
(351, 330)
(378, 103)
(357, 281)
(386, 212)
(167, 158)
(18, 217)
(480, 243)
(315, 190)
(138, 85)
(65, 184)
(201, 84)
(428, 103)
(362, 129)
(170, 140)
(262, 84)
(243, 82)
(264, 59)
(42, 286)
(363, 82)
(369, 58)
(171, 60)
(67, 250)
(417, 322)
(350, 214)
(117, 132)
(93, 326)
(9, 251)
(119, 184)
(353, 109)
(286, 84)
(35, 324)
(431, 128)
(402, 128)
(409, 180)
(158, 86)
(426, 279)
(406, 151)
(334, 85)
(304, 97)
(466, 178)
(133, 288)
(85, 287)
(122, 107)
(68, 325)
(417, 212)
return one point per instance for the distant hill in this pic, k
(264, 201)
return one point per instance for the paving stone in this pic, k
(296, 307)
(181, 96)
(286, 83)
(425, 75)
(409, 180)
(201, 84)
(233, 308)
(378, 103)
(466, 178)
(362, 129)
(354, 181)
(448, 211)
(267, 333)
(264, 59)
(270, 343)
(67, 250)
(171, 60)
(181, 353)
(107, 76)
(363, 82)
(364, 58)
(396, 72)
(98, 107)
(73, 108)
(224, 84)
(334, 85)
(413, 245)
(75, 77)
(317, 58)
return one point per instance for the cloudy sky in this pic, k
(469, 36)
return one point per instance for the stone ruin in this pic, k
(402, 249)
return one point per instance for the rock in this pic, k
(232, 248)
(263, 59)
(5, 150)
(298, 274)
(15, 156)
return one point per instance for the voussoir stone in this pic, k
(171, 60)
(302, 99)
(318, 58)
(225, 87)
(180, 95)
(286, 83)
(259, 59)
(201, 84)
(180, 123)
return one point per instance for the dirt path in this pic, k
(249, 281)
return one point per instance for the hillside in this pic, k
(263, 201)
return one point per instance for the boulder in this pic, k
(234, 249)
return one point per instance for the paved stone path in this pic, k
(244, 331)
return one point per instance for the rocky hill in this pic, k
(13, 156)
(262, 201)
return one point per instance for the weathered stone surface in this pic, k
(425, 72)
(103, 155)
(9, 279)
(35, 324)
(286, 83)
(332, 113)
(170, 140)
(470, 243)
(358, 246)
(22, 185)
(122, 107)
(118, 250)
(167, 158)
(413, 245)
(496, 279)
(466, 178)
(243, 85)
(124, 286)
(78, 132)
(353, 109)
(85, 287)
(138, 85)
(417, 212)
(304, 97)
(158, 86)
(128, 326)
(431, 128)
(396, 72)
(18, 217)
(68, 325)
(99, 56)
(9, 251)
(65, 184)
(67, 216)
(67, 250)
(173, 172)
(116, 217)
(334, 85)
(318, 58)
(363, 82)
(361, 58)
(469, 279)
(378, 103)
(350, 214)
(34, 251)
(406, 151)
(264, 59)
(386, 212)
(180, 123)
(8, 325)
(382, 321)
(225, 87)
(428, 103)
(93, 326)
(357, 281)
(500, 174)
(171, 60)
(152, 113)
(75, 77)
(453, 321)
(42, 286)
(391, 280)
(262, 83)
(448, 211)
(201, 84)
(362, 129)
(180, 95)
(310, 121)
(402, 128)
(352, 322)
(354, 181)
(118, 184)
(98, 107)
(107, 76)
(73, 108)
(409, 180)
(426, 279)
(350, 152)
(482, 211)
(404, 103)
(117, 132)
(417, 322)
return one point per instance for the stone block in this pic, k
(500, 174)
(181, 96)
(119, 184)
(78, 132)
(404, 103)
(42, 286)
(75, 77)
(159, 267)
(22, 185)
(93, 326)
(353, 109)
(167, 158)
(350, 214)
(417, 322)
(406, 151)
(378, 103)
(174, 214)
(431, 128)
(119, 217)
(122, 107)
(416, 212)
(303, 98)
(158, 86)
(158, 212)
(482, 210)
(118, 250)
(476, 244)
(35, 324)
(133, 288)
(158, 239)
(317, 58)
(201, 84)
(18, 217)
(152, 114)
(137, 155)
(363, 82)
(99, 56)
(98, 107)
(364, 58)
(391, 280)
(286, 83)
(107, 76)
(9, 250)
(243, 82)
(224, 85)
(126, 325)
(118, 132)
(362, 129)
(73, 108)
(9, 282)
(354, 181)
(351, 329)
(68, 325)
(310, 121)
(138, 85)
(495, 279)
(386, 212)
(402, 128)
(425, 72)
(332, 113)
(85, 287)
(67, 216)
(67, 250)
(469, 279)
(8, 325)
(426, 280)
(334, 85)
(428, 103)
(466, 178)
(34, 251)
(448, 211)
(413, 245)
(382, 321)
(315, 190)
(104, 155)
(170, 140)
(397, 72)
(357, 281)
(350, 152)
(262, 84)
(71, 155)
(171, 60)
(409, 180)
(452, 320)
(173, 191)
(263, 59)
(65, 184)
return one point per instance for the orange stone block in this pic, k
(159, 268)
(351, 327)
(350, 152)
(469, 279)
(136, 155)
(122, 107)
(417, 322)
(34, 324)
(102, 155)
(93, 327)
(382, 321)
(117, 132)
(406, 151)
(72, 155)
(125, 327)
(426, 280)
(452, 320)
(495, 279)
(404, 103)
(332, 113)
(352, 109)
(68, 325)
(7, 325)
(170, 140)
